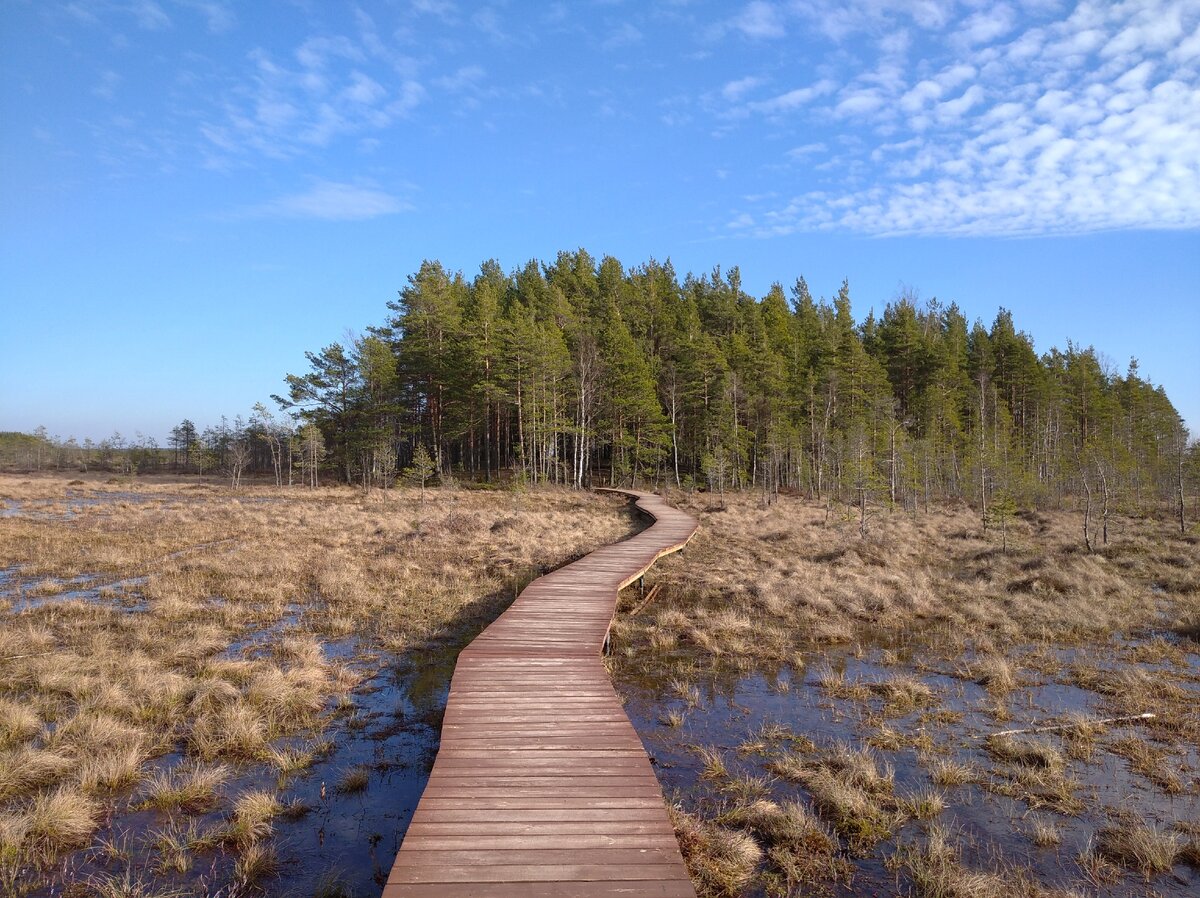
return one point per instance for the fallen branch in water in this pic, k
(1071, 726)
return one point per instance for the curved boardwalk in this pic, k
(541, 787)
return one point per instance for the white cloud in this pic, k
(487, 20)
(1078, 119)
(760, 20)
(330, 201)
(338, 89)
(807, 149)
(219, 16)
(735, 90)
(921, 94)
(363, 90)
(149, 15)
(954, 75)
(985, 26)
(859, 102)
(956, 108)
(794, 99)
(625, 35)
(466, 78)
(443, 9)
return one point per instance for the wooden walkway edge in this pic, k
(541, 786)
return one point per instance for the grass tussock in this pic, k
(353, 780)
(1155, 763)
(851, 788)
(949, 772)
(936, 870)
(1028, 752)
(51, 822)
(192, 788)
(1139, 846)
(719, 859)
(18, 723)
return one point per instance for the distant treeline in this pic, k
(585, 374)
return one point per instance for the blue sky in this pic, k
(195, 192)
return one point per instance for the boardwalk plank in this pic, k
(541, 787)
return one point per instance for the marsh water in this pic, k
(334, 839)
(994, 830)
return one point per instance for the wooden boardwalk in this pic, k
(541, 786)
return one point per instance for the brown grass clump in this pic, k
(52, 822)
(713, 761)
(252, 816)
(354, 779)
(112, 770)
(1039, 787)
(1045, 834)
(720, 860)
(1030, 753)
(128, 885)
(236, 731)
(17, 723)
(191, 788)
(994, 673)
(937, 871)
(1156, 764)
(25, 769)
(903, 693)
(851, 789)
(254, 864)
(1140, 847)
(948, 772)
(923, 804)
(799, 849)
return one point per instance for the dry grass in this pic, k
(712, 761)
(1152, 762)
(949, 772)
(49, 823)
(116, 625)
(1140, 847)
(937, 871)
(851, 788)
(1028, 752)
(994, 673)
(18, 723)
(945, 635)
(800, 851)
(923, 804)
(1045, 834)
(719, 859)
(815, 581)
(354, 779)
(191, 788)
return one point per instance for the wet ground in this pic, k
(331, 836)
(335, 838)
(729, 711)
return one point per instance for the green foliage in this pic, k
(582, 372)
(422, 468)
